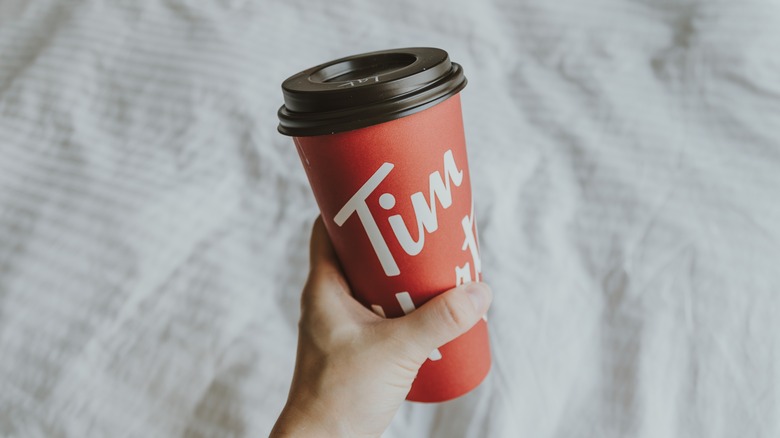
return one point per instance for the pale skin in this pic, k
(353, 368)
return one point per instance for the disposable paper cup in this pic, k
(380, 136)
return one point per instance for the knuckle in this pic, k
(329, 277)
(453, 313)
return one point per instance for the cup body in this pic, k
(397, 203)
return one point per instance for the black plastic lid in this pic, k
(367, 89)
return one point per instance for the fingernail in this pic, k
(479, 294)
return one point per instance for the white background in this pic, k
(154, 225)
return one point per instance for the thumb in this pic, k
(446, 316)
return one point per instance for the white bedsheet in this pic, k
(154, 225)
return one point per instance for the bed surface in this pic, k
(154, 225)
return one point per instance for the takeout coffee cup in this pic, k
(380, 136)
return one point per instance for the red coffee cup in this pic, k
(380, 136)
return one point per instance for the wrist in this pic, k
(301, 419)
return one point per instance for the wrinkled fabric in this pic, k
(154, 225)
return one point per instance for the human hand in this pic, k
(353, 367)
